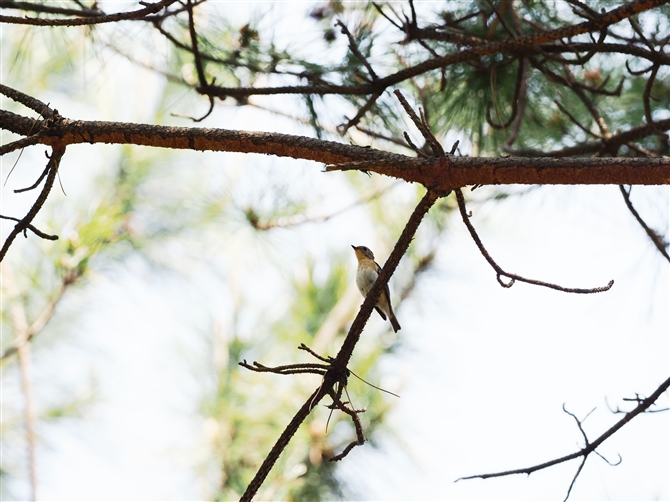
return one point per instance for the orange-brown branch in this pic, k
(439, 173)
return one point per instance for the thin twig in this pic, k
(196, 52)
(353, 414)
(28, 101)
(500, 273)
(32, 228)
(343, 128)
(355, 50)
(658, 240)
(34, 185)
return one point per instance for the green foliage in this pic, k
(462, 97)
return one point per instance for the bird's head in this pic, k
(363, 252)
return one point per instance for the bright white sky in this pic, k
(483, 373)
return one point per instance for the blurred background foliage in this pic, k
(171, 211)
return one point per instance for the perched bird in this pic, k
(368, 271)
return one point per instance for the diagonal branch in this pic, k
(655, 237)
(19, 144)
(356, 51)
(589, 447)
(28, 101)
(56, 155)
(338, 368)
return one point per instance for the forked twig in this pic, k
(590, 447)
(52, 168)
(353, 413)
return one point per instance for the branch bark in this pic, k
(440, 173)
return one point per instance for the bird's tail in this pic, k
(394, 323)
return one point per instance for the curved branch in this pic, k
(520, 84)
(514, 277)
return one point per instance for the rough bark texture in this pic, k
(431, 172)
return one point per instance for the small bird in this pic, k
(368, 271)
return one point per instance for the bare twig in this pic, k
(56, 155)
(19, 143)
(207, 113)
(575, 121)
(500, 273)
(287, 369)
(28, 101)
(194, 49)
(36, 184)
(647, 97)
(589, 447)
(422, 126)
(32, 228)
(658, 240)
(355, 51)
(34, 7)
(520, 86)
(353, 414)
(343, 128)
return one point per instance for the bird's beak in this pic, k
(353, 247)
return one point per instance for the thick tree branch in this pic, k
(438, 172)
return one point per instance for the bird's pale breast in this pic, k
(365, 279)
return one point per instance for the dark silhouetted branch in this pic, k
(589, 447)
(658, 240)
(500, 273)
